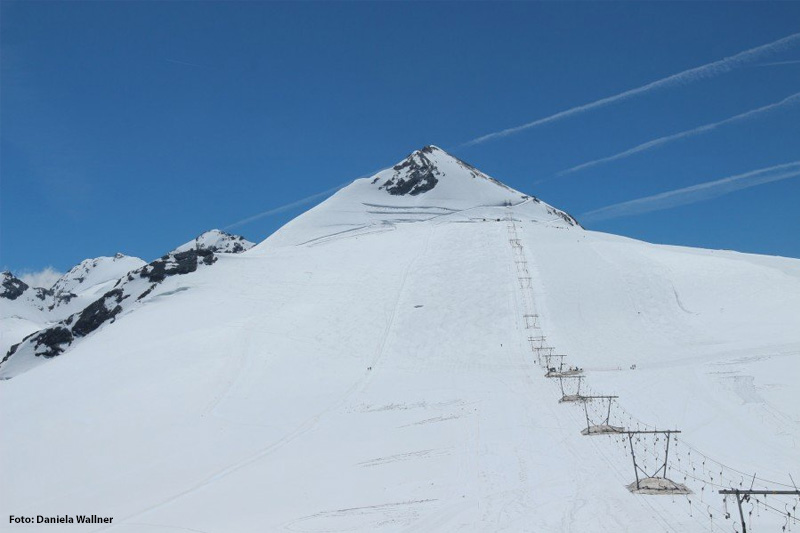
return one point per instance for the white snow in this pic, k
(216, 241)
(239, 398)
(466, 194)
(87, 281)
(91, 277)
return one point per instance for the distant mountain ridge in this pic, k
(90, 273)
(97, 291)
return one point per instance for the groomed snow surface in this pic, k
(382, 380)
(248, 405)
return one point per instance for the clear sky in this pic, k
(134, 126)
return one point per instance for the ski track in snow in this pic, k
(306, 426)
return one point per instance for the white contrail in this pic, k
(286, 207)
(777, 63)
(694, 193)
(297, 203)
(708, 70)
(791, 100)
(177, 62)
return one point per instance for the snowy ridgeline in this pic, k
(92, 294)
(370, 367)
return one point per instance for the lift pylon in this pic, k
(536, 341)
(542, 351)
(531, 321)
(560, 371)
(743, 495)
(570, 397)
(654, 483)
(604, 427)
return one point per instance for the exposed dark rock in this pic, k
(44, 294)
(148, 291)
(237, 248)
(417, 174)
(98, 312)
(176, 263)
(52, 339)
(12, 287)
(62, 298)
(414, 175)
(217, 241)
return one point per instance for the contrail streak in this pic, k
(791, 100)
(177, 62)
(706, 71)
(694, 193)
(777, 63)
(296, 203)
(286, 207)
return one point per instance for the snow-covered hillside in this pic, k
(369, 368)
(24, 309)
(95, 293)
(93, 275)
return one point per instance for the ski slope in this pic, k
(381, 380)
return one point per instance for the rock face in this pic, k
(176, 263)
(217, 241)
(414, 175)
(14, 289)
(21, 300)
(12, 286)
(132, 288)
(421, 171)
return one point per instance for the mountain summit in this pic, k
(420, 173)
(427, 184)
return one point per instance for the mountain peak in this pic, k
(217, 241)
(429, 183)
(421, 171)
(414, 175)
(94, 273)
(11, 287)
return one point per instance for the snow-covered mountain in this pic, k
(217, 241)
(24, 309)
(98, 290)
(428, 184)
(91, 277)
(372, 366)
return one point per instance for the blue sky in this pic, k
(133, 126)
